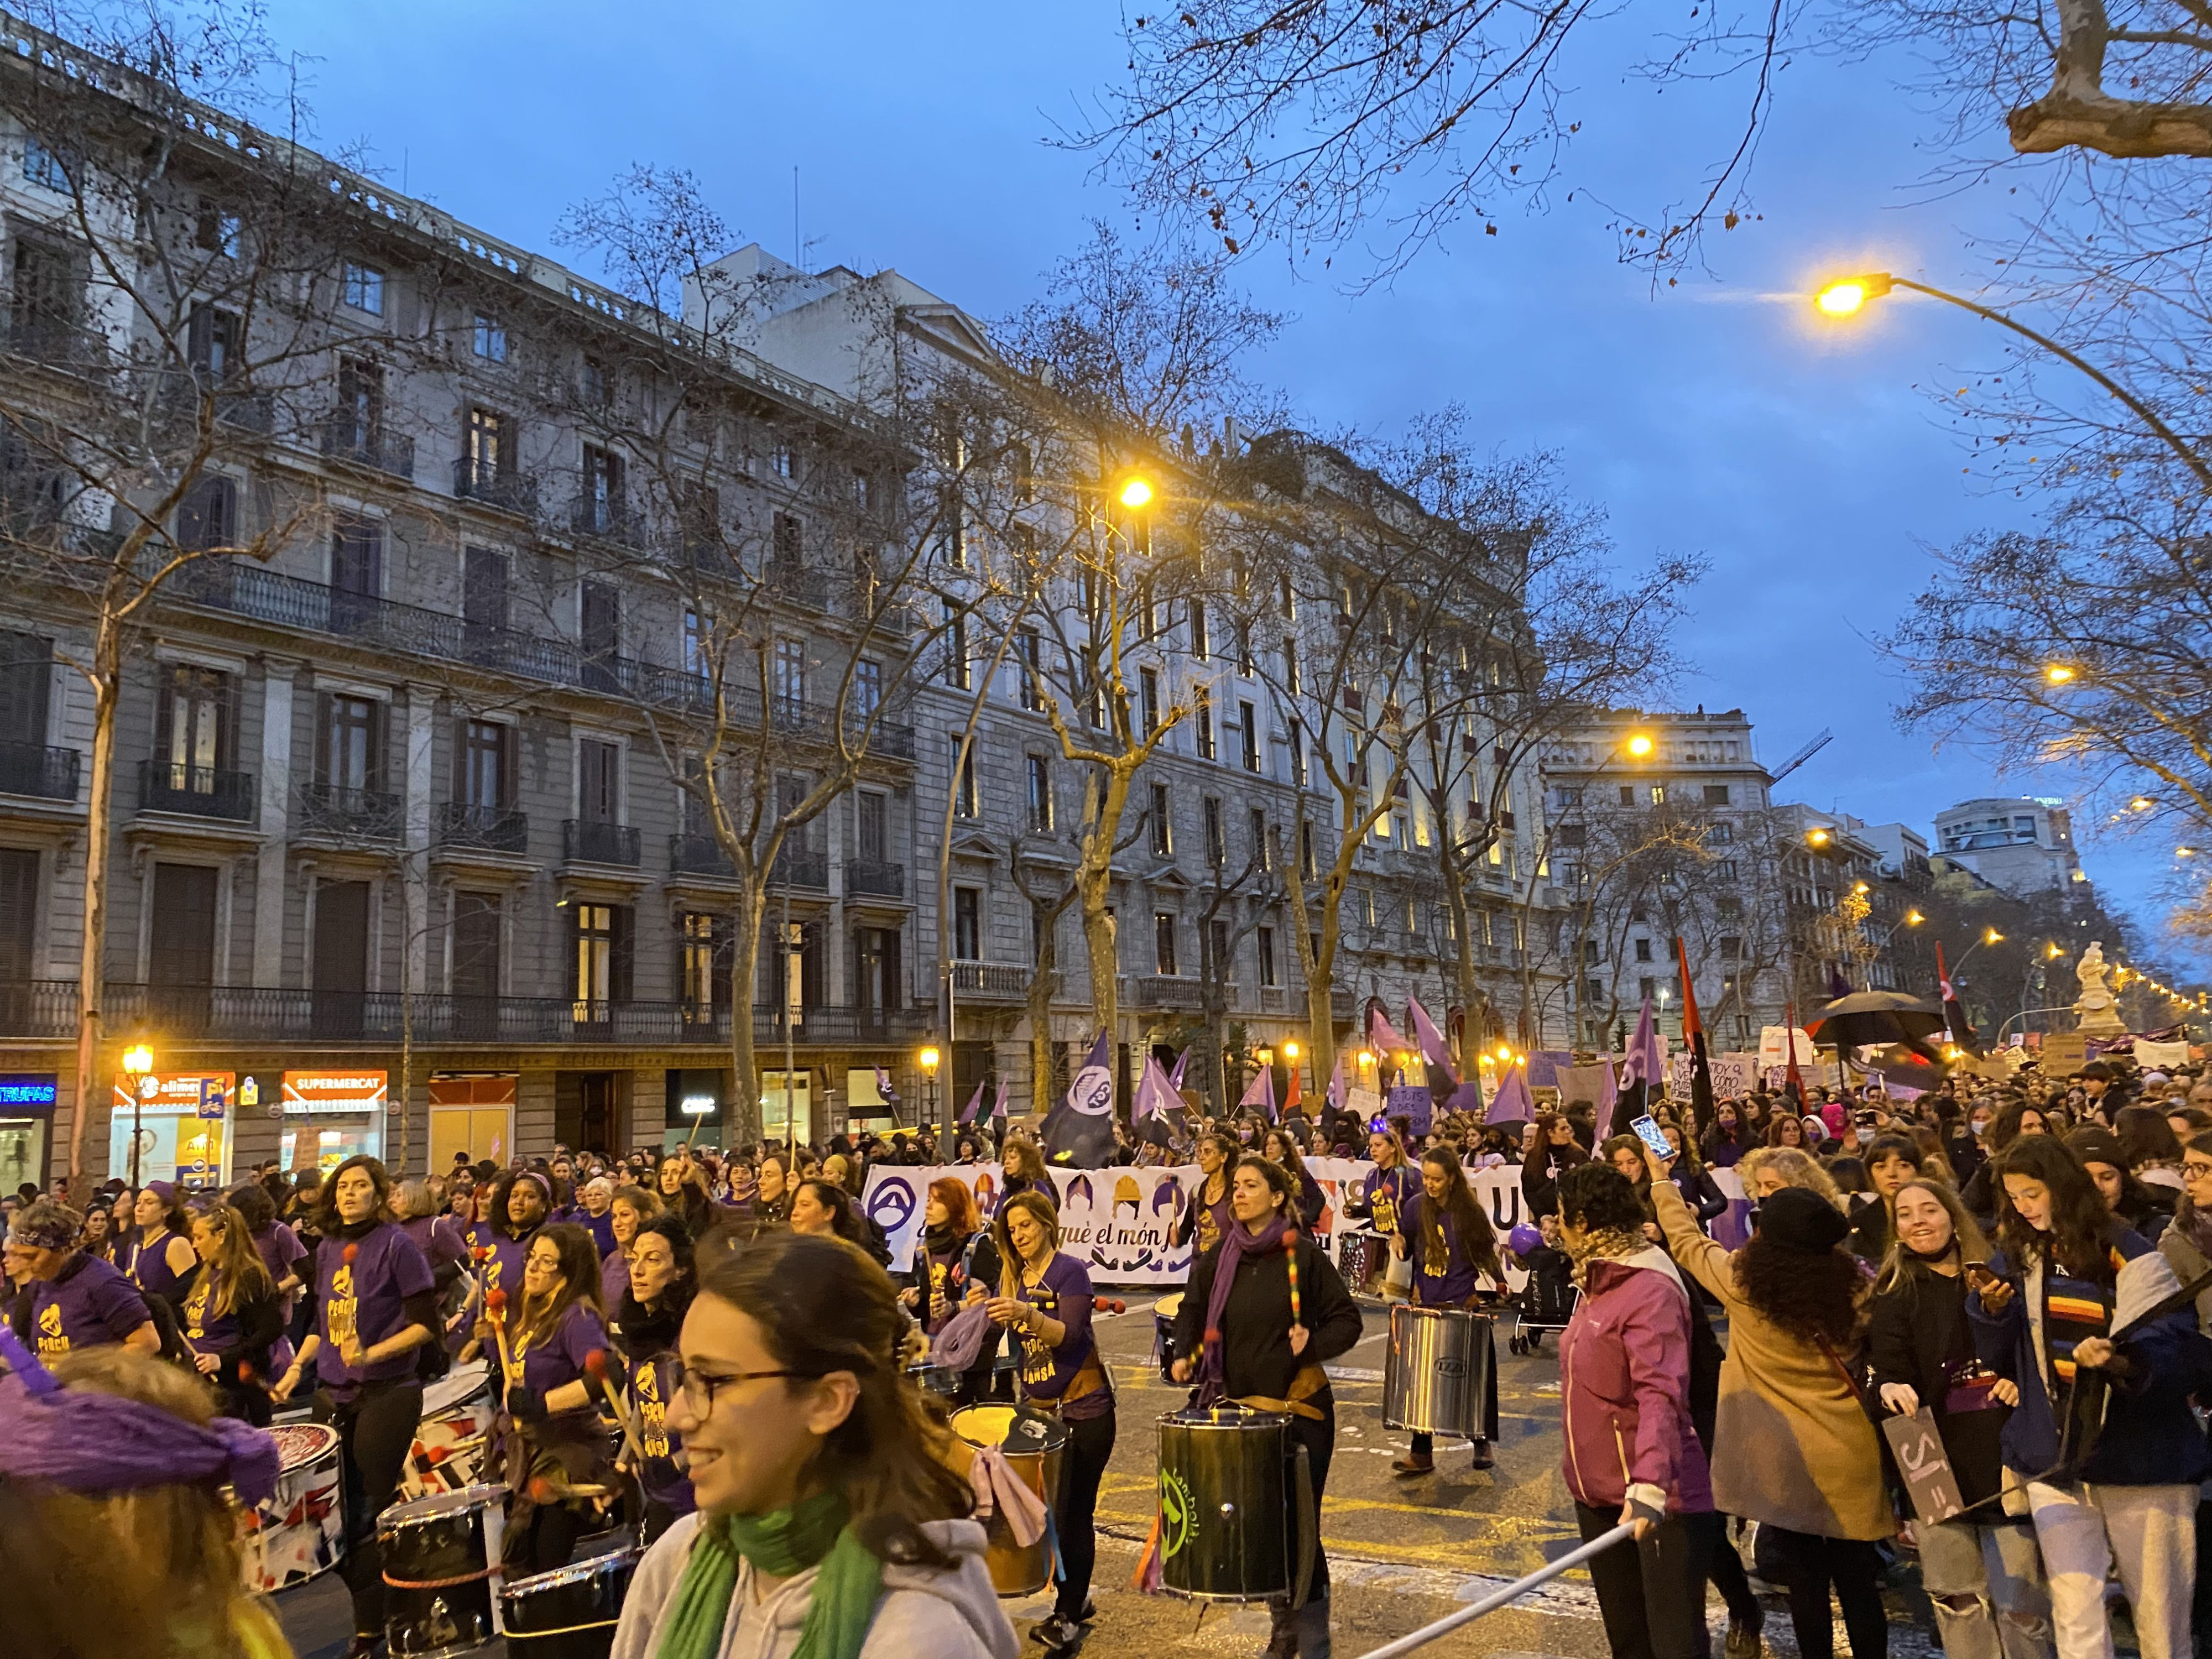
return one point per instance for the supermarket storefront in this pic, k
(178, 1125)
(330, 1116)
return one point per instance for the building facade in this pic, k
(2023, 844)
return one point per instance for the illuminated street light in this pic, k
(1992, 937)
(1136, 492)
(2139, 803)
(1639, 745)
(1861, 887)
(2051, 952)
(1847, 297)
(1913, 918)
(2184, 852)
(1291, 1050)
(1816, 837)
(2058, 673)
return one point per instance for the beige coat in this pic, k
(1791, 1444)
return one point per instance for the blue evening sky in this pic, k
(1808, 464)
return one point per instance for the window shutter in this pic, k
(322, 737)
(624, 951)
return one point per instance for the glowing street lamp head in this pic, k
(138, 1060)
(1291, 1050)
(1817, 837)
(1847, 295)
(2059, 673)
(929, 1058)
(1913, 918)
(1136, 492)
(1640, 745)
(1992, 937)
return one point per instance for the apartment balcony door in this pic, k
(180, 967)
(341, 967)
(875, 975)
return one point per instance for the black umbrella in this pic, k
(1867, 1018)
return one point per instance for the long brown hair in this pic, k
(824, 1305)
(1010, 1259)
(240, 1272)
(1476, 1236)
(578, 1254)
(1965, 1236)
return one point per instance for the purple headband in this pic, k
(544, 1185)
(98, 1444)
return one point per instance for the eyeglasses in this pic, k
(2195, 1168)
(700, 1388)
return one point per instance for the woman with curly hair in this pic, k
(1770, 1168)
(2067, 1275)
(1452, 1248)
(1793, 1449)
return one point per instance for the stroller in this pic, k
(1547, 1302)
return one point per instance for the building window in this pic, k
(871, 821)
(209, 517)
(1731, 945)
(789, 683)
(1031, 652)
(1162, 828)
(1248, 735)
(595, 959)
(603, 489)
(1643, 950)
(1148, 698)
(1725, 869)
(1291, 667)
(349, 759)
(490, 343)
(1039, 770)
(781, 461)
(1716, 794)
(364, 288)
(599, 781)
(1264, 940)
(964, 790)
(476, 946)
(1164, 941)
(487, 447)
(968, 924)
(1217, 835)
(1198, 642)
(1203, 708)
(867, 687)
(1658, 794)
(1263, 857)
(955, 645)
(483, 763)
(1628, 794)
(705, 981)
(45, 166)
(1297, 756)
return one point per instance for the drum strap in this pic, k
(1090, 1377)
(1310, 1382)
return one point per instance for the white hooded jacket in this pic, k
(925, 1610)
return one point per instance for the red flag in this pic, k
(1794, 1083)
(1701, 1067)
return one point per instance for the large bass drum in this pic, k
(439, 1556)
(571, 1611)
(300, 1530)
(1440, 1375)
(1031, 1444)
(1226, 1491)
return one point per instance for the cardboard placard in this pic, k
(1929, 1482)
(1416, 1104)
(2064, 1053)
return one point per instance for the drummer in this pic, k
(649, 1319)
(1383, 1193)
(554, 1442)
(76, 1300)
(374, 1308)
(500, 1243)
(957, 1252)
(1045, 1299)
(1271, 1309)
(159, 1260)
(1206, 1215)
(1452, 1248)
(232, 1314)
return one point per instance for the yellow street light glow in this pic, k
(1504, 1051)
(1913, 918)
(1841, 298)
(1366, 1057)
(1861, 887)
(929, 1058)
(1291, 1050)
(1639, 745)
(1265, 1056)
(2052, 951)
(2058, 673)
(2139, 803)
(1817, 837)
(1992, 937)
(138, 1060)
(1136, 492)
(2184, 852)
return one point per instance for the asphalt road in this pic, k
(1402, 1551)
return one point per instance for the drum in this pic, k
(439, 1554)
(1357, 1254)
(940, 1379)
(1224, 1498)
(1164, 1312)
(1031, 1443)
(581, 1601)
(1438, 1376)
(450, 1450)
(300, 1530)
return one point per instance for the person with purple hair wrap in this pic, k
(114, 1518)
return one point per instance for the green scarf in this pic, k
(783, 1544)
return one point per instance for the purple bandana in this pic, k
(101, 1443)
(1237, 1243)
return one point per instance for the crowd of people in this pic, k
(2028, 1263)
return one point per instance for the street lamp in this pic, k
(1848, 296)
(1639, 744)
(1136, 491)
(138, 1067)
(929, 1058)
(2059, 673)
(1816, 836)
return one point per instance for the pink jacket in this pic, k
(1624, 1387)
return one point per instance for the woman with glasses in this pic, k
(826, 1523)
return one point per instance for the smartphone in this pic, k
(1648, 1132)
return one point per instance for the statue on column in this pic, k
(2095, 1012)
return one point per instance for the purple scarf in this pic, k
(101, 1443)
(1237, 1243)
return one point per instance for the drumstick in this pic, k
(496, 1311)
(595, 1365)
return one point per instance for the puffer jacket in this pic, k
(1625, 1387)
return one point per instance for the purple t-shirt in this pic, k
(1063, 1293)
(1445, 1285)
(438, 1238)
(149, 1264)
(502, 1269)
(281, 1251)
(614, 1279)
(601, 1228)
(89, 1306)
(204, 1332)
(663, 1481)
(366, 1298)
(1387, 1193)
(557, 1358)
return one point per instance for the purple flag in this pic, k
(1079, 1133)
(889, 1095)
(1174, 1074)
(1382, 1035)
(998, 1104)
(1513, 1104)
(1261, 1093)
(1334, 1097)
(1431, 1039)
(1645, 1060)
(967, 1112)
(1153, 1093)
(1468, 1098)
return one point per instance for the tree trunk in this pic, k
(1094, 881)
(745, 969)
(1040, 1006)
(105, 677)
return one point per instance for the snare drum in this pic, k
(1440, 1375)
(1226, 1485)
(1164, 1312)
(300, 1530)
(1358, 1254)
(440, 1555)
(1031, 1443)
(581, 1602)
(451, 1451)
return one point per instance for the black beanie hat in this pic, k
(1799, 1218)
